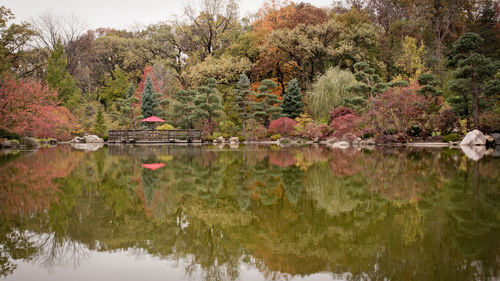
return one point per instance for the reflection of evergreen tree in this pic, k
(149, 184)
(292, 183)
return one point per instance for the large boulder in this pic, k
(93, 139)
(220, 139)
(29, 142)
(341, 144)
(234, 140)
(475, 137)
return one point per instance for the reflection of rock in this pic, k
(496, 152)
(233, 145)
(220, 145)
(87, 146)
(341, 144)
(93, 139)
(474, 152)
(475, 137)
(30, 142)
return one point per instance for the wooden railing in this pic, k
(154, 136)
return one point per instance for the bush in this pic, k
(209, 138)
(241, 138)
(228, 127)
(490, 122)
(4, 134)
(451, 137)
(254, 130)
(447, 120)
(346, 124)
(14, 141)
(313, 130)
(339, 112)
(283, 126)
(275, 137)
(224, 135)
(165, 127)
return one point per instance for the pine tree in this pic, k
(208, 102)
(474, 71)
(370, 84)
(292, 100)
(242, 94)
(125, 111)
(60, 80)
(268, 107)
(99, 125)
(149, 104)
(183, 113)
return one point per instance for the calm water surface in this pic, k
(248, 213)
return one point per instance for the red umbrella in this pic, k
(153, 166)
(153, 119)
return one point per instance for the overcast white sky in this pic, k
(120, 13)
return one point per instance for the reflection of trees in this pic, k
(395, 215)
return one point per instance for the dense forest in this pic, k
(395, 70)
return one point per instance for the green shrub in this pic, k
(224, 135)
(451, 137)
(275, 137)
(165, 127)
(14, 141)
(241, 138)
(210, 138)
(4, 134)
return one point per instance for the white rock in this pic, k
(93, 139)
(475, 137)
(220, 140)
(234, 140)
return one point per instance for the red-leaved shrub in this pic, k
(338, 112)
(29, 108)
(346, 125)
(283, 126)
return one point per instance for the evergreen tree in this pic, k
(208, 103)
(115, 87)
(183, 113)
(99, 124)
(130, 91)
(370, 84)
(473, 73)
(149, 104)
(242, 94)
(60, 80)
(292, 100)
(268, 107)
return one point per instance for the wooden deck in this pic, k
(154, 136)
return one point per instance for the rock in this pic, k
(220, 140)
(489, 139)
(474, 152)
(52, 141)
(234, 140)
(77, 140)
(341, 144)
(496, 137)
(331, 141)
(88, 146)
(29, 142)
(93, 139)
(370, 142)
(5, 144)
(475, 137)
(356, 140)
(315, 140)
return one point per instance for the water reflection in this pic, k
(400, 214)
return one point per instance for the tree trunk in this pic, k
(475, 103)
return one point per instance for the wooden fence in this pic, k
(154, 136)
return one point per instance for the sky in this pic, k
(120, 13)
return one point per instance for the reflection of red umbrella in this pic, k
(153, 166)
(152, 119)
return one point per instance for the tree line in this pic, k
(394, 70)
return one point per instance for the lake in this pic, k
(248, 213)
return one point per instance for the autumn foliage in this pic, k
(283, 126)
(29, 108)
